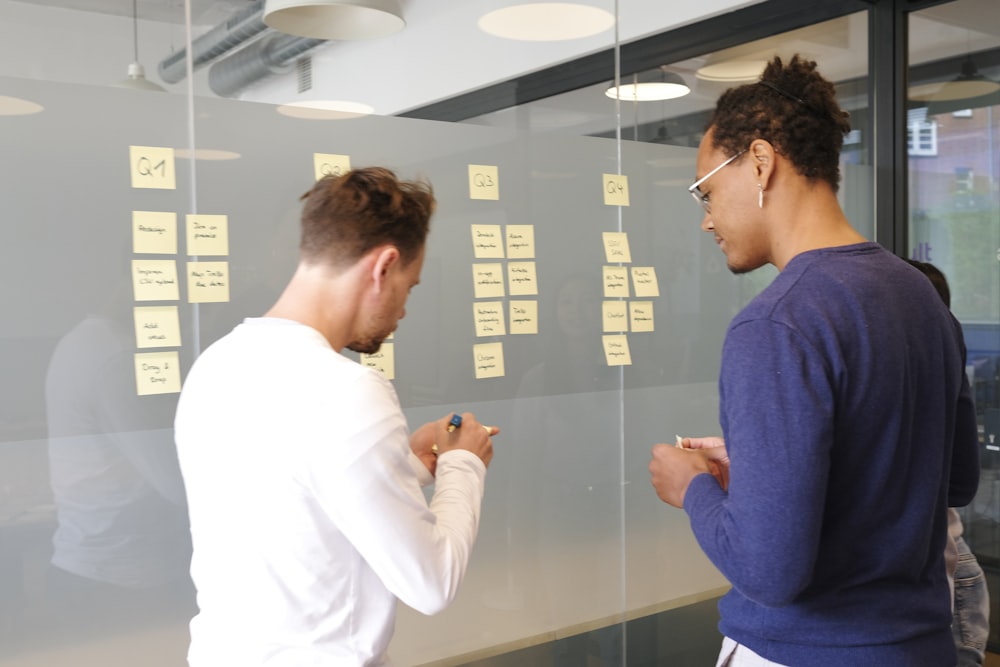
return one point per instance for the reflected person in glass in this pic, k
(847, 421)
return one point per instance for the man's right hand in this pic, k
(472, 436)
(714, 449)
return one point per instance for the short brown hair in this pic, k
(345, 216)
(794, 108)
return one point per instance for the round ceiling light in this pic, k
(205, 154)
(968, 84)
(546, 21)
(652, 86)
(732, 71)
(15, 106)
(335, 19)
(325, 110)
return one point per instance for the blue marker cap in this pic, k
(456, 421)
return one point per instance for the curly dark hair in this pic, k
(795, 109)
(346, 215)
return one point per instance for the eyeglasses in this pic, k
(700, 196)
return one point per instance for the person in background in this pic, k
(303, 481)
(848, 425)
(970, 625)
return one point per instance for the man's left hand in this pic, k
(672, 469)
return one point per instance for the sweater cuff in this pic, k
(704, 488)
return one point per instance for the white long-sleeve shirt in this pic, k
(307, 514)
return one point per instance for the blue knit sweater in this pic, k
(850, 428)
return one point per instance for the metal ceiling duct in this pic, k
(272, 54)
(238, 28)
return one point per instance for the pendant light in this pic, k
(969, 84)
(335, 19)
(136, 73)
(651, 86)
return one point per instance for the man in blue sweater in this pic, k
(848, 425)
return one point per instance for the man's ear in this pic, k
(384, 258)
(762, 158)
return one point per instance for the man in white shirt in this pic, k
(303, 481)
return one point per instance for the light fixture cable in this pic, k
(135, 29)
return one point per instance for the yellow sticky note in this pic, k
(157, 373)
(616, 247)
(484, 182)
(615, 190)
(522, 279)
(520, 241)
(487, 242)
(489, 318)
(615, 315)
(644, 281)
(157, 326)
(489, 360)
(615, 281)
(208, 282)
(488, 280)
(152, 167)
(616, 351)
(523, 317)
(384, 361)
(641, 315)
(207, 235)
(154, 232)
(155, 280)
(326, 164)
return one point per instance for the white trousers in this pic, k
(736, 655)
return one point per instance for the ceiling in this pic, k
(203, 12)
(840, 46)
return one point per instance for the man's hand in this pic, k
(433, 439)
(470, 435)
(672, 469)
(714, 448)
(422, 443)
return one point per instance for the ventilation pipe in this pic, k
(238, 28)
(271, 54)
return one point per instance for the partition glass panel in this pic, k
(586, 358)
(953, 143)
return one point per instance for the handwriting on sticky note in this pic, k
(155, 280)
(644, 281)
(615, 281)
(207, 235)
(521, 279)
(154, 232)
(156, 326)
(641, 315)
(157, 373)
(487, 242)
(384, 360)
(488, 280)
(489, 318)
(615, 189)
(152, 167)
(488, 358)
(616, 247)
(616, 351)
(615, 315)
(208, 282)
(484, 181)
(523, 317)
(330, 164)
(520, 241)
